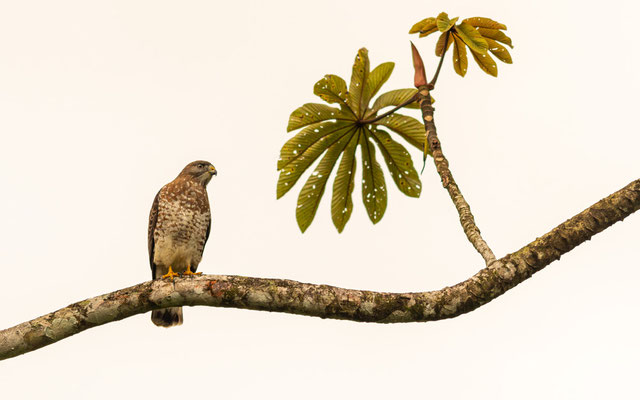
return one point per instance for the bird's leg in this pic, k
(188, 271)
(169, 274)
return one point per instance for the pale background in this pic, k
(101, 103)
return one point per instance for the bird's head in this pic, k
(200, 171)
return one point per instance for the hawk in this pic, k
(179, 226)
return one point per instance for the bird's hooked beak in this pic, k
(212, 170)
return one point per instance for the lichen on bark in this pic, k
(281, 295)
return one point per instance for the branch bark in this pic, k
(324, 301)
(442, 166)
(433, 146)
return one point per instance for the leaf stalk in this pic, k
(432, 84)
(394, 109)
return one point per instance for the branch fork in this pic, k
(280, 295)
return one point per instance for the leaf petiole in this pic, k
(394, 109)
(432, 84)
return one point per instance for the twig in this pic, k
(432, 145)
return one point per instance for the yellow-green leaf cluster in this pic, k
(480, 35)
(333, 134)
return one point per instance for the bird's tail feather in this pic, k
(167, 317)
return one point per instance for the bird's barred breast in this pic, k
(181, 229)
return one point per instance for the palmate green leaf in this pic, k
(311, 113)
(333, 134)
(499, 51)
(313, 189)
(440, 44)
(374, 189)
(399, 162)
(295, 147)
(359, 77)
(332, 89)
(304, 148)
(495, 35)
(394, 98)
(486, 63)
(471, 37)
(377, 78)
(409, 128)
(341, 201)
(481, 22)
(424, 26)
(460, 62)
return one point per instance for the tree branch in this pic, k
(442, 166)
(433, 146)
(324, 301)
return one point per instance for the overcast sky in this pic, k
(102, 103)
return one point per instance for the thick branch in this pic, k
(321, 300)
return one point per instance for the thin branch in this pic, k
(324, 301)
(432, 145)
(442, 166)
(394, 109)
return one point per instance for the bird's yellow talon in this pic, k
(169, 274)
(188, 272)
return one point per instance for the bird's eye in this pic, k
(200, 166)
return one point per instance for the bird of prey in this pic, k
(179, 226)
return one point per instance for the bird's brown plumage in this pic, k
(179, 226)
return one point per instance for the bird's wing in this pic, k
(153, 219)
(208, 232)
(206, 236)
